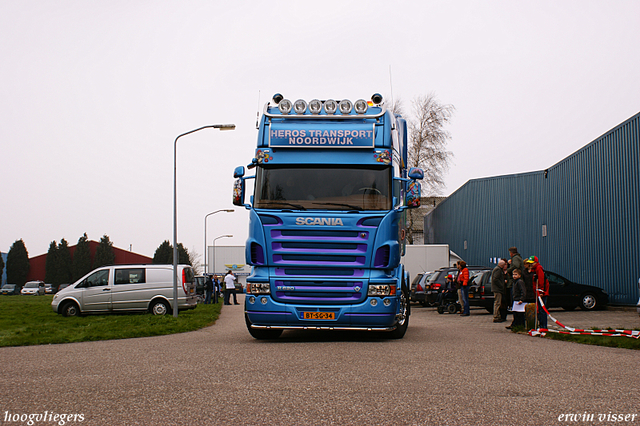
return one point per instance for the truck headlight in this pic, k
(258, 288)
(381, 290)
(345, 106)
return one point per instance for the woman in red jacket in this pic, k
(463, 276)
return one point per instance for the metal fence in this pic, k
(581, 216)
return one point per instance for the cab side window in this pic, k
(100, 278)
(130, 276)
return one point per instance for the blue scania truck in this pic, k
(327, 221)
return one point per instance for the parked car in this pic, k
(127, 288)
(563, 293)
(418, 285)
(436, 282)
(9, 289)
(33, 288)
(50, 289)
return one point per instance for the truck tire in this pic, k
(260, 333)
(405, 312)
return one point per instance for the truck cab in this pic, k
(327, 218)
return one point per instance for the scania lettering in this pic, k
(327, 218)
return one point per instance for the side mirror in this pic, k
(412, 199)
(238, 172)
(238, 190)
(416, 173)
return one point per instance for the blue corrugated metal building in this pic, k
(581, 216)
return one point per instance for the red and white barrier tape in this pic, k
(611, 333)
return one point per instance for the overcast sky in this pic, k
(95, 92)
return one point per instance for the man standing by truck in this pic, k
(230, 288)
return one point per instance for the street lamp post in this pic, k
(213, 258)
(175, 208)
(205, 254)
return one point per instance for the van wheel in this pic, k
(70, 309)
(159, 307)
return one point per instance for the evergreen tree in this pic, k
(63, 264)
(81, 263)
(163, 254)
(183, 255)
(50, 263)
(1, 267)
(17, 264)
(104, 253)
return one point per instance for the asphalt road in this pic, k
(448, 370)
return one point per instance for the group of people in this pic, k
(212, 287)
(516, 282)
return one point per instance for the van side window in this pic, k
(130, 276)
(100, 278)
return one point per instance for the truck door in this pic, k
(96, 296)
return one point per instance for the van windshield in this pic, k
(323, 188)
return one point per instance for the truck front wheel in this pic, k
(403, 316)
(261, 333)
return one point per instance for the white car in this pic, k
(33, 288)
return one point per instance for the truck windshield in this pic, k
(323, 188)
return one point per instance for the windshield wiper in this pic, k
(352, 207)
(297, 206)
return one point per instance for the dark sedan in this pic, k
(562, 293)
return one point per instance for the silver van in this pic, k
(127, 288)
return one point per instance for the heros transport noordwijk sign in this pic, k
(354, 135)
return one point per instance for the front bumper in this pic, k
(263, 312)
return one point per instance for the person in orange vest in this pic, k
(464, 285)
(540, 288)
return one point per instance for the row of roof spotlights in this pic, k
(330, 106)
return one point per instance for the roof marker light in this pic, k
(300, 106)
(345, 106)
(315, 106)
(285, 106)
(361, 106)
(277, 98)
(330, 106)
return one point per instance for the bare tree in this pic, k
(427, 146)
(428, 141)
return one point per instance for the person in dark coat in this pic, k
(208, 289)
(498, 287)
(518, 298)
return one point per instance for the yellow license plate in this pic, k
(318, 315)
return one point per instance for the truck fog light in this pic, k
(361, 106)
(285, 106)
(387, 302)
(345, 106)
(374, 302)
(300, 106)
(330, 106)
(252, 300)
(263, 300)
(315, 106)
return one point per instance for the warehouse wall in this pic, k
(581, 216)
